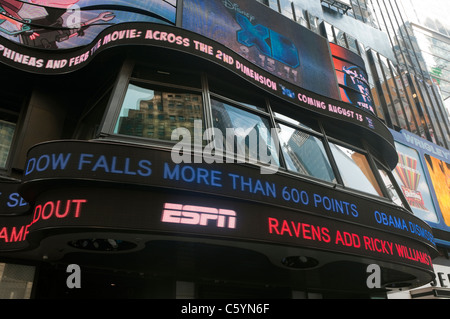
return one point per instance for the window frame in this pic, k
(314, 126)
(254, 111)
(310, 132)
(362, 149)
(112, 113)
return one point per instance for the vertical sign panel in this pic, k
(352, 78)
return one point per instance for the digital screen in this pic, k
(65, 24)
(211, 217)
(410, 176)
(271, 41)
(80, 161)
(11, 203)
(352, 78)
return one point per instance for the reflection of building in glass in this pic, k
(16, 281)
(307, 156)
(433, 52)
(158, 117)
(6, 136)
(416, 61)
(244, 133)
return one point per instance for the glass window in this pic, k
(138, 119)
(330, 32)
(239, 92)
(393, 194)
(304, 154)
(249, 134)
(6, 136)
(16, 281)
(355, 170)
(306, 124)
(13, 98)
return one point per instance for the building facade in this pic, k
(215, 149)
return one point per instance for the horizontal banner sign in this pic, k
(71, 161)
(116, 209)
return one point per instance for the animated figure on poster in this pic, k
(45, 23)
(355, 79)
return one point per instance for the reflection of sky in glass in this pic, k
(304, 153)
(390, 187)
(243, 123)
(350, 171)
(290, 120)
(423, 188)
(420, 11)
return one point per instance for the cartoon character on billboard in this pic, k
(356, 79)
(45, 23)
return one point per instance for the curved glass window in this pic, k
(155, 113)
(240, 125)
(246, 134)
(355, 170)
(6, 133)
(392, 191)
(305, 154)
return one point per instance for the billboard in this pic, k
(410, 176)
(271, 41)
(229, 202)
(352, 78)
(440, 178)
(423, 173)
(64, 24)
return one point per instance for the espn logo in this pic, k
(198, 215)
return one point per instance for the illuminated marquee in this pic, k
(226, 202)
(79, 161)
(352, 78)
(198, 215)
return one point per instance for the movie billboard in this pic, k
(352, 78)
(269, 40)
(60, 24)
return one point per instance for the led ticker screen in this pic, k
(209, 216)
(352, 78)
(79, 161)
(11, 203)
(270, 41)
(440, 177)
